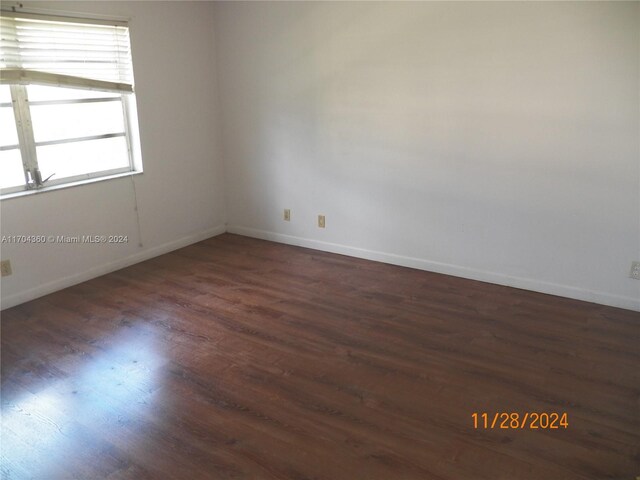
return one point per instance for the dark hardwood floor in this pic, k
(237, 358)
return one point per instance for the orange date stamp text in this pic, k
(520, 421)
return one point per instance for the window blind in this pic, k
(43, 50)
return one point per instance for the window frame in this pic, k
(27, 145)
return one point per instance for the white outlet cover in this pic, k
(6, 268)
(635, 270)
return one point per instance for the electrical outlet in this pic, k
(5, 268)
(287, 215)
(321, 221)
(635, 270)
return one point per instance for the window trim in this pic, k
(44, 14)
(62, 186)
(27, 144)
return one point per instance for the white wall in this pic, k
(497, 141)
(180, 194)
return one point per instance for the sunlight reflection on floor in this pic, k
(47, 431)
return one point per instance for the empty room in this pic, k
(372, 240)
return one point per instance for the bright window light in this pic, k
(67, 107)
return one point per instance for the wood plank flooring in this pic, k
(237, 358)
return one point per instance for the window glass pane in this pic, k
(11, 173)
(77, 158)
(37, 93)
(8, 132)
(57, 122)
(5, 94)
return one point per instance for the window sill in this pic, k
(78, 183)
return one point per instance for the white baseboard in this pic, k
(59, 284)
(418, 263)
(577, 293)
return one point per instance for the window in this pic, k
(67, 107)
